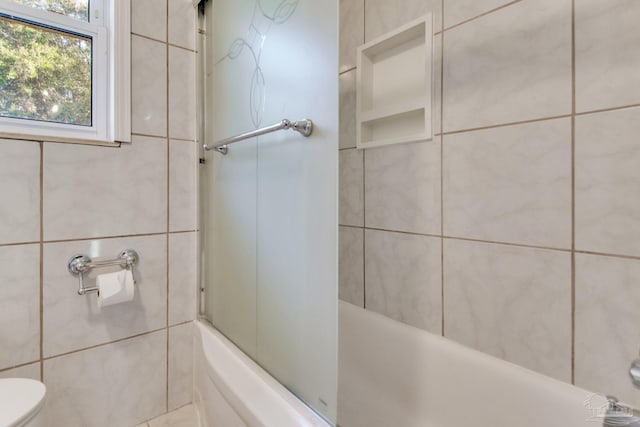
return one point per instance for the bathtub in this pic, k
(231, 390)
(393, 375)
(390, 375)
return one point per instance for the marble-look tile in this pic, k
(402, 187)
(183, 185)
(510, 302)
(143, 425)
(19, 305)
(607, 54)
(510, 184)
(27, 371)
(351, 265)
(607, 319)
(383, 16)
(351, 188)
(351, 31)
(94, 191)
(403, 278)
(186, 416)
(149, 18)
(148, 87)
(20, 189)
(182, 93)
(180, 365)
(183, 277)
(182, 23)
(347, 120)
(120, 384)
(498, 72)
(72, 322)
(457, 11)
(607, 177)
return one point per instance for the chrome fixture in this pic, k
(618, 414)
(80, 264)
(304, 127)
(634, 372)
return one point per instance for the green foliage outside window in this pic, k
(44, 74)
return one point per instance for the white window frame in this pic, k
(109, 27)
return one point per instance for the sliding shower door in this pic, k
(270, 204)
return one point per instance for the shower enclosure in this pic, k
(269, 205)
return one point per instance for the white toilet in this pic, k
(21, 403)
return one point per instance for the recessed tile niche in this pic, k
(394, 81)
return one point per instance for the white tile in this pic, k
(182, 93)
(92, 191)
(183, 277)
(182, 23)
(402, 187)
(148, 87)
(403, 278)
(607, 54)
(183, 185)
(607, 177)
(351, 265)
(497, 71)
(20, 189)
(73, 321)
(351, 31)
(180, 365)
(383, 16)
(19, 305)
(27, 371)
(510, 184)
(183, 417)
(510, 302)
(347, 120)
(149, 18)
(456, 11)
(607, 319)
(120, 384)
(351, 188)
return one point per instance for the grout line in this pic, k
(573, 193)
(168, 229)
(148, 37)
(347, 148)
(2, 245)
(56, 356)
(364, 234)
(351, 226)
(442, 296)
(148, 135)
(504, 6)
(83, 239)
(608, 255)
(500, 125)
(22, 365)
(41, 261)
(182, 47)
(604, 110)
(347, 70)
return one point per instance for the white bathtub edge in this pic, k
(258, 399)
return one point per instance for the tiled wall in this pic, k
(515, 231)
(127, 363)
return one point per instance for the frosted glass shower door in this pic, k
(270, 204)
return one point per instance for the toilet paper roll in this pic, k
(115, 288)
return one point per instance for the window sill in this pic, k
(41, 138)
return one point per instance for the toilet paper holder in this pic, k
(80, 264)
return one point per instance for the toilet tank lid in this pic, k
(19, 399)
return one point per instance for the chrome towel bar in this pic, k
(304, 127)
(80, 264)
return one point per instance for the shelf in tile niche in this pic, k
(394, 79)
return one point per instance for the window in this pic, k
(64, 70)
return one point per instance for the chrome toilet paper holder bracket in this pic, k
(80, 264)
